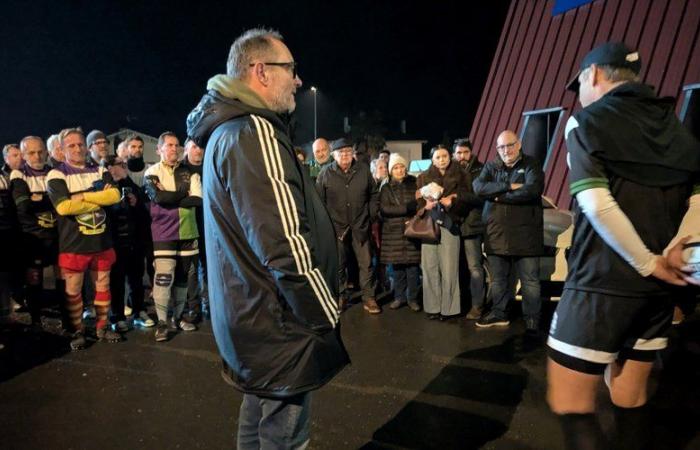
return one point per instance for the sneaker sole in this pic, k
(504, 323)
(372, 311)
(161, 339)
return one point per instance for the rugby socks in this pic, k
(582, 432)
(102, 302)
(74, 305)
(632, 428)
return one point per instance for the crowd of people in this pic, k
(95, 222)
(283, 234)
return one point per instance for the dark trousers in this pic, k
(528, 271)
(405, 278)
(475, 264)
(129, 266)
(270, 423)
(364, 265)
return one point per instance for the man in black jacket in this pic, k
(512, 186)
(472, 229)
(272, 266)
(350, 194)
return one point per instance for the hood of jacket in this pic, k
(640, 137)
(226, 99)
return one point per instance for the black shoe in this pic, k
(161, 333)
(77, 341)
(434, 316)
(106, 334)
(491, 320)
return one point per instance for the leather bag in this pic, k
(423, 227)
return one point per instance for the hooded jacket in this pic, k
(271, 255)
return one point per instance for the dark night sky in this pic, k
(144, 65)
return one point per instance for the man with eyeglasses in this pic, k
(512, 186)
(634, 171)
(272, 261)
(472, 229)
(98, 146)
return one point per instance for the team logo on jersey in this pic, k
(92, 223)
(46, 219)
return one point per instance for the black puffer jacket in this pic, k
(272, 261)
(397, 204)
(513, 218)
(454, 181)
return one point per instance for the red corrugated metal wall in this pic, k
(538, 53)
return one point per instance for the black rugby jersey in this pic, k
(631, 143)
(34, 209)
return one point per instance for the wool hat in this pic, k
(615, 54)
(94, 136)
(395, 159)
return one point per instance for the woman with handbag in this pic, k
(397, 204)
(440, 260)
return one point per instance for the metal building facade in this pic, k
(538, 52)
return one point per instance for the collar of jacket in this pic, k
(236, 89)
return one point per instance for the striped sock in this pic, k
(102, 301)
(74, 306)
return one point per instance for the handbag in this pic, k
(423, 227)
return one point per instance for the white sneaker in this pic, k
(127, 310)
(145, 320)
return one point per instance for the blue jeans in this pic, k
(475, 263)
(528, 271)
(405, 279)
(274, 423)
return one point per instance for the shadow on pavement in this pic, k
(429, 420)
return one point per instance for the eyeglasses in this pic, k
(506, 146)
(287, 65)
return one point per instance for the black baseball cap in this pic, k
(341, 143)
(614, 54)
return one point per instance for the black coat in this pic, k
(473, 225)
(397, 204)
(351, 198)
(272, 262)
(513, 218)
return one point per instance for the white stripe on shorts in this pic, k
(595, 356)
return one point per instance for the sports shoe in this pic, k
(121, 326)
(490, 320)
(161, 333)
(106, 334)
(474, 313)
(182, 325)
(144, 320)
(396, 304)
(77, 341)
(433, 316)
(370, 305)
(89, 313)
(414, 305)
(127, 310)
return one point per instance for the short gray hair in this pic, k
(252, 44)
(613, 74)
(51, 141)
(23, 142)
(6, 149)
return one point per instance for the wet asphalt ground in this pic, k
(413, 383)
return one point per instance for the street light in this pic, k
(313, 89)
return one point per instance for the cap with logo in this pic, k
(615, 54)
